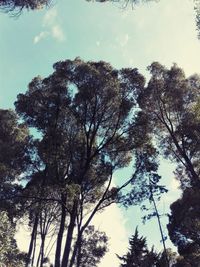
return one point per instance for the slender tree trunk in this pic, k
(33, 237)
(77, 251)
(42, 250)
(161, 231)
(34, 248)
(68, 243)
(60, 235)
(38, 260)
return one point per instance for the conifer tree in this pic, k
(138, 254)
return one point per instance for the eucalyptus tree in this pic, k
(170, 101)
(84, 113)
(14, 161)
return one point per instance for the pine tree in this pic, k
(138, 253)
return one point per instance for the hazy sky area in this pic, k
(163, 31)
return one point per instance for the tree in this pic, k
(14, 138)
(172, 102)
(169, 101)
(14, 160)
(138, 253)
(83, 113)
(16, 6)
(93, 248)
(9, 253)
(184, 226)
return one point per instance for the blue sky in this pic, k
(163, 31)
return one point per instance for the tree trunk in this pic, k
(42, 250)
(69, 237)
(77, 251)
(34, 248)
(33, 237)
(161, 231)
(60, 235)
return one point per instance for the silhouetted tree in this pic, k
(184, 227)
(83, 113)
(138, 254)
(93, 248)
(169, 102)
(9, 253)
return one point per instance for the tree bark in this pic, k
(77, 251)
(33, 237)
(42, 250)
(69, 237)
(60, 234)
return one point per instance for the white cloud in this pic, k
(52, 27)
(40, 36)
(50, 17)
(57, 33)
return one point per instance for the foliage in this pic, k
(169, 101)
(138, 253)
(93, 248)
(14, 160)
(9, 253)
(83, 113)
(184, 226)
(15, 7)
(13, 142)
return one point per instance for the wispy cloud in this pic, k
(40, 36)
(57, 33)
(52, 27)
(50, 17)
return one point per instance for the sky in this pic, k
(162, 31)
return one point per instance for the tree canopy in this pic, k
(84, 113)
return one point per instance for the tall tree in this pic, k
(172, 102)
(83, 113)
(169, 101)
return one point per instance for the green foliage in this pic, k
(14, 160)
(169, 102)
(16, 6)
(9, 253)
(184, 226)
(93, 248)
(138, 253)
(82, 113)
(13, 142)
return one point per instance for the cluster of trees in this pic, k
(90, 120)
(70, 132)
(170, 103)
